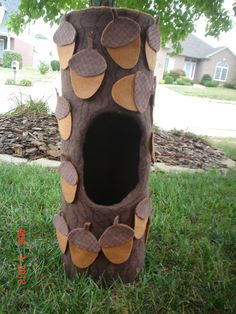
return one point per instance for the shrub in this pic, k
(55, 65)
(25, 82)
(230, 85)
(206, 78)
(165, 74)
(9, 56)
(43, 67)
(211, 84)
(9, 81)
(169, 79)
(28, 106)
(176, 73)
(179, 81)
(184, 80)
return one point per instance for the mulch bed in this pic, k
(38, 137)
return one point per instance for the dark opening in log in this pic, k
(111, 157)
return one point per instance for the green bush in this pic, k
(206, 78)
(55, 65)
(230, 85)
(25, 82)
(9, 56)
(169, 79)
(179, 81)
(186, 81)
(9, 81)
(211, 83)
(28, 106)
(176, 73)
(165, 74)
(43, 67)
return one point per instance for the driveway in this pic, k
(193, 114)
(172, 110)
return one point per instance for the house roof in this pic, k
(10, 6)
(218, 49)
(195, 47)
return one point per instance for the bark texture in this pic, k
(96, 201)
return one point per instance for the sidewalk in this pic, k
(172, 110)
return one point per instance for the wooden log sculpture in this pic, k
(107, 58)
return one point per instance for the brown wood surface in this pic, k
(83, 209)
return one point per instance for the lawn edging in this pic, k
(43, 162)
(157, 166)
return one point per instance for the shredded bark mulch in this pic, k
(38, 137)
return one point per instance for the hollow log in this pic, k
(105, 116)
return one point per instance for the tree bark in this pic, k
(124, 152)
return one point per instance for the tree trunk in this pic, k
(105, 199)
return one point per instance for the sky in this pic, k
(226, 39)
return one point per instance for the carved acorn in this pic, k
(117, 242)
(121, 37)
(87, 71)
(84, 247)
(69, 180)
(142, 216)
(62, 231)
(64, 117)
(65, 41)
(152, 45)
(132, 92)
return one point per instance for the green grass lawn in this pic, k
(191, 253)
(227, 145)
(217, 93)
(28, 73)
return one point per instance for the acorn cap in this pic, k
(68, 172)
(88, 62)
(65, 34)
(62, 108)
(143, 209)
(84, 239)
(120, 32)
(116, 235)
(60, 224)
(153, 37)
(142, 91)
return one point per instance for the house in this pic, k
(9, 41)
(198, 58)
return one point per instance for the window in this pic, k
(190, 59)
(169, 63)
(189, 69)
(1, 47)
(2, 13)
(166, 62)
(221, 71)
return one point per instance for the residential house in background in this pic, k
(198, 58)
(9, 41)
